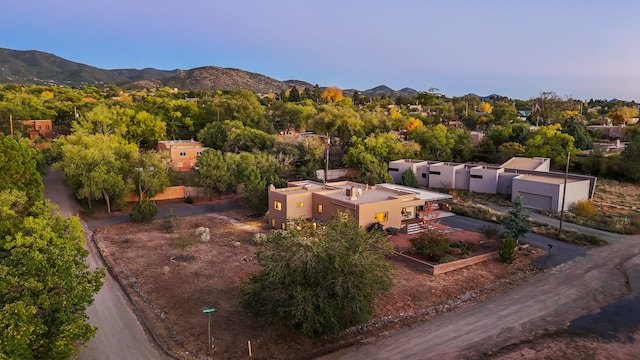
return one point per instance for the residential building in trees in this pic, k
(183, 153)
(389, 204)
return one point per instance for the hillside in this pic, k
(37, 67)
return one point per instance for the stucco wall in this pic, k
(484, 180)
(462, 179)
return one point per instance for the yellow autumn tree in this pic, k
(485, 107)
(622, 114)
(332, 94)
(47, 94)
(413, 123)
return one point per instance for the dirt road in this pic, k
(547, 303)
(120, 335)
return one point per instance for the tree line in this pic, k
(105, 127)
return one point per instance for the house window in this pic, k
(283, 226)
(300, 204)
(475, 176)
(277, 205)
(273, 223)
(434, 172)
(39, 127)
(48, 127)
(183, 154)
(382, 216)
(394, 169)
(319, 208)
(424, 175)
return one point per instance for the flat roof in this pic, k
(420, 194)
(523, 163)
(548, 179)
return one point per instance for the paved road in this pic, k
(561, 251)
(579, 295)
(120, 335)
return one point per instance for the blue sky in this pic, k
(517, 48)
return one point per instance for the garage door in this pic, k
(536, 201)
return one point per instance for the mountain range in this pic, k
(41, 68)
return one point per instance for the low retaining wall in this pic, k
(436, 269)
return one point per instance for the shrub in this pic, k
(507, 249)
(203, 234)
(462, 247)
(432, 244)
(170, 221)
(188, 200)
(491, 232)
(585, 208)
(446, 259)
(143, 211)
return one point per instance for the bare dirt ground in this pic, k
(565, 346)
(170, 290)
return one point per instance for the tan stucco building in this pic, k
(388, 204)
(184, 153)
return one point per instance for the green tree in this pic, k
(550, 142)
(46, 284)
(517, 223)
(504, 113)
(149, 174)
(145, 130)
(409, 178)
(96, 166)
(319, 280)
(294, 94)
(18, 168)
(213, 172)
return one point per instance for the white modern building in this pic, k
(528, 178)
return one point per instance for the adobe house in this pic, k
(184, 153)
(389, 204)
(37, 128)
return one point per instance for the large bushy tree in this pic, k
(319, 280)
(18, 168)
(46, 284)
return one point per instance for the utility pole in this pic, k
(11, 124)
(326, 160)
(564, 193)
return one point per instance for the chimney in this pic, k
(353, 194)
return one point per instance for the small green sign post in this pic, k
(209, 311)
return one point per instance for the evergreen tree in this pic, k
(517, 223)
(294, 95)
(409, 178)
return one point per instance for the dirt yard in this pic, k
(170, 287)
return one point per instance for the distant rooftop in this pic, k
(523, 163)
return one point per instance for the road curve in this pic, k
(120, 335)
(545, 303)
